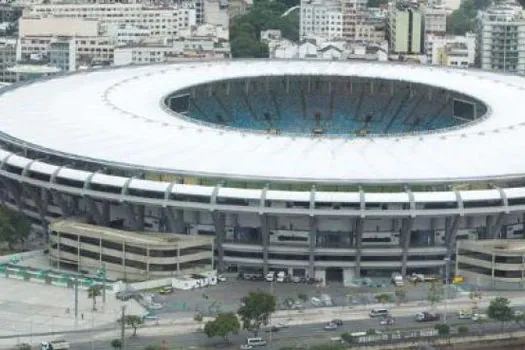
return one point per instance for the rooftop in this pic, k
(114, 235)
(112, 128)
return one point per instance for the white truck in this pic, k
(54, 345)
(397, 279)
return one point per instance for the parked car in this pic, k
(125, 295)
(387, 321)
(517, 313)
(166, 290)
(464, 314)
(246, 347)
(221, 278)
(272, 329)
(330, 326)
(337, 322)
(427, 317)
(478, 317)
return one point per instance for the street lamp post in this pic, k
(101, 273)
(447, 277)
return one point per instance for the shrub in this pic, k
(197, 318)
(116, 344)
(303, 297)
(463, 330)
(152, 347)
(23, 346)
(443, 329)
(371, 331)
(346, 337)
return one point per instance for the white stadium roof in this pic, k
(117, 116)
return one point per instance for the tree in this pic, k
(302, 297)
(14, 227)
(500, 310)
(265, 14)
(116, 344)
(435, 293)
(481, 323)
(134, 322)
(443, 329)
(463, 330)
(475, 296)
(94, 292)
(256, 309)
(519, 319)
(383, 298)
(401, 295)
(224, 324)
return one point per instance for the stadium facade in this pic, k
(374, 169)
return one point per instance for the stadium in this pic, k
(332, 170)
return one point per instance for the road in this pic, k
(296, 335)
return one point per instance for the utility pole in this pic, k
(123, 327)
(104, 283)
(76, 300)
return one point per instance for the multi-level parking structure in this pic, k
(105, 147)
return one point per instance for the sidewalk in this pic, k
(180, 325)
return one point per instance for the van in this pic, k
(379, 313)
(256, 341)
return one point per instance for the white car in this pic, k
(387, 321)
(518, 313)
(477, 317)
(330, 326)
(246, 347)
(464, 315)
(221, 278)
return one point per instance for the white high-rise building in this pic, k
(451, 50)
(321, 18)
(159, 21)
(405, 28)
(502, 39)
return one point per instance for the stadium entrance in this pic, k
(334, 274)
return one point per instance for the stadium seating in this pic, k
(298, 106)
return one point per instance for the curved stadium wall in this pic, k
(333, 232)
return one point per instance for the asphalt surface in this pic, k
(293, 336)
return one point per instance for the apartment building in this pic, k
(502, 39)
(238, 7)
(7, 59)
(216, 13)
(88, 50)
(435, 20)
(451, 50)
(321, 18)
(405, 28)
(354, 12)
(160, 21)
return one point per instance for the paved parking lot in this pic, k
(226, 296)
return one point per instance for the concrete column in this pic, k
(140, 217)
(147, 262)
(130, 213)
(489, 222)
(219, 221)
(312, 245)
(470, 221)
(16, 191)
(358, 234)
(406, 230)
(265, 232)
(501, 220)
(94, 211)
(124, 259)
(178, 260)
(78, 253)
(450, 234)
(106, 213)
